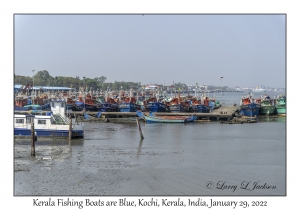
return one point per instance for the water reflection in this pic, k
(266, 118)
(139, 148)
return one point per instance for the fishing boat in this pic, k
(88, 102)
(129, 105)
(266, 107)
(281, 105)
(54, 123)
(166, 119)
(248, 107)
(71, 104)
(211, 103)
(179, 104)
(110, 105)
(196, 106)
(154, 105)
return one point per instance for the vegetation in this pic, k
(43, 78)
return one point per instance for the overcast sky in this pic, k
(247, 50)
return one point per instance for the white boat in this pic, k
(54, 123)
(258, 90)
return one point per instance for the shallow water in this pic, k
(206, 158)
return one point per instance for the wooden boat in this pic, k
(196, 106)
(266, 107)
(110, 105)
(129, 105)
(55, 123)
(166, 119)
(89, 103)
(281, 106)
(153, 105)
(211, 103)
(179, 104)
(249, 107)
(21, 101)
(71, 104)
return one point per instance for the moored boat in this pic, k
(266, 107)
(281, 105)
(153, 105)
(179, 104)
(129, 105)
(196, 106)
(166, 119)
(109, 105)
(54, 123)
(248, 107)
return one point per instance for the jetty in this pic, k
(221, 114)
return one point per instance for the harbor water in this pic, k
(192, 159)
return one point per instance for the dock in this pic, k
(220, 114)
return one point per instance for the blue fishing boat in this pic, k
(249, 107)
(129, 105)
(109, 105)
(196, 106)
(152, 105)
(54, 123)
(166, 119)
(178, 104)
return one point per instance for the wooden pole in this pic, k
(32, 140)
(70, 129)
(140, 130)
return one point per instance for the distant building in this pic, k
(152, 87)
(43, 88)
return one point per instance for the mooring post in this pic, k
(70, 129)
(140, 130)
(32, 140)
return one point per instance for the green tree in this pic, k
(42, 78)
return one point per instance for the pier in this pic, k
(220, 114)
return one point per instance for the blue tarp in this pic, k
(98, 114)
(86, 116)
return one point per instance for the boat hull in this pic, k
(280, 110)
(47, 132)
(129, 107)
(199, 108)
(156, 107)
(250, 110)
(267, 110)
(108, 107)
(179, 108)
(281, 106)
(169, 119)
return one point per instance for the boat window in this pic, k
(19, 120)
(29, 119)
(41, 121)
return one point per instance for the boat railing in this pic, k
(58, 119)
(66, 120)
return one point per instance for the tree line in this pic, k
(43, 78)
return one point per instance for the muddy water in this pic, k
(174, 159)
